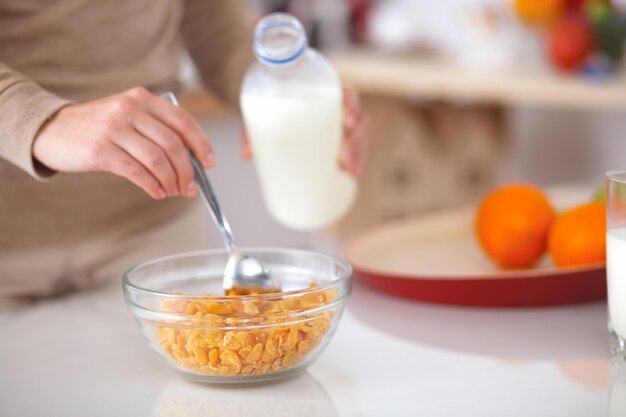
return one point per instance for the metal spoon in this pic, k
(242, 273)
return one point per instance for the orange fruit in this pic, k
(538, 11)
(578, 236)
(512, 225)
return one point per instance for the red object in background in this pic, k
(550, 289)
(359, 17)
(578, 5)
(569, 42)
(575, 5)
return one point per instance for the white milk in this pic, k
(616, 279)
(292, 109)
(296, 139)
(617, 398)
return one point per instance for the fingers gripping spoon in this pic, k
(243, 274)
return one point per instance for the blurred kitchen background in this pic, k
(462, 95)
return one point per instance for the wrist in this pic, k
(38, 147)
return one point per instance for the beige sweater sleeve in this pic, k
(24, 108)
(218, 36)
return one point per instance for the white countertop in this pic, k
(83, 355)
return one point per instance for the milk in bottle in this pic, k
(292, 109)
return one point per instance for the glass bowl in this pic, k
(205, 336)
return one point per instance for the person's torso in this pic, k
(82, 50)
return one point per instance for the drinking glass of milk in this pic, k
(291, 102)
(617, 388)
(616, 259)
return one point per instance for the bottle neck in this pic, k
(279, 40)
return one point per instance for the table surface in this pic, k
(428, 77)
(83, 355)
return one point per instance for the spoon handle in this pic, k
(208, 195)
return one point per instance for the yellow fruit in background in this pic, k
(512, 225)
(578, 236)
(538, 11)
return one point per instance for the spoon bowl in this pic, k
(244, 273)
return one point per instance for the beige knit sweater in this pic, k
(55, 52)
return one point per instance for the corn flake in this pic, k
(254, 351)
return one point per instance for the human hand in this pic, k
(352, 155)
(355, 122)
(134, 134)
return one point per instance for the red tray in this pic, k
(435, 258)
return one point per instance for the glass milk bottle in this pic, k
(617, 388)
(616, 260)
(292, 109)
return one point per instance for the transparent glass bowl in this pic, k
(179, 304)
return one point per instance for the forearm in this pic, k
(24, 108)
(219, 40)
